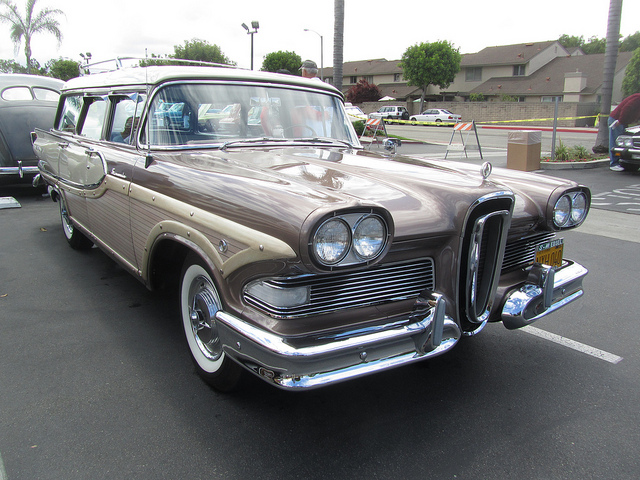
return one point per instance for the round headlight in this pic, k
(369, 237)
(332, 241)
(562, 211)
(578, 208)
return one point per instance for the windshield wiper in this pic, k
(323, 140)
(249, 141)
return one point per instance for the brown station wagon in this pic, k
(300, 257)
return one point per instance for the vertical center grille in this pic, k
(481, 257)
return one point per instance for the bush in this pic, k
(562, 152)
(359, 126)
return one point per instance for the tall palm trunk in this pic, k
(338, 34)
(610, 58)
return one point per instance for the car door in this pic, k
(110, 158)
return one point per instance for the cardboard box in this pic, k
(523, 150)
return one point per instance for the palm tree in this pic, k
(338, 33)
(610, 58)
(32, 23)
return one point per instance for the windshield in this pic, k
(224, 114)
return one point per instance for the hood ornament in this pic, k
(485, 170)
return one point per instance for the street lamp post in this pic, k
(255, 25)
(321, 51)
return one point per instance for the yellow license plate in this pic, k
(550, 253)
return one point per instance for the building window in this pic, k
(368, 78)
(397, 77)
(353, 79)
(518, 70)
(473, 74)
(551, 99)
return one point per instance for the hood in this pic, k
(281, 188)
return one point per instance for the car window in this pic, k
(216, 113)
(94, 118)
(46, 94)
(126, 116)
(70, 113)
(17, 93)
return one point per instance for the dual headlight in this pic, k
(349, 239)
(624, 141)
(570, 210)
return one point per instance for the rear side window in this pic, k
(17, 93)
(46, 94)
(94, 119)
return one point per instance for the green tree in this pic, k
(11, 66)
(594, 45)
(427, 64)
(63, 69)
(631, 80)
(32, 23)
(194, 49)
(282, 60)
(201, 51)
(571, 41)
(631, 43)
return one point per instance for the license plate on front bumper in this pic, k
(550, 253)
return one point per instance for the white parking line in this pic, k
(3, 474)
(580, 347)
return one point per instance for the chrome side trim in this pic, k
(345, 355)
(545, 291)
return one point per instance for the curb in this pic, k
(604, 162)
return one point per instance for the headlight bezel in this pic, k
(569, 209)
(624, 141)
(359, 243)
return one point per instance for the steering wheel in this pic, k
(300, 125)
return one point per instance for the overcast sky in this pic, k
(373, 29)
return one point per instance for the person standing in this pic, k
(625, 114)
(309, 69)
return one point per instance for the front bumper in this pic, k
(629, 155)
(326, 359)
(545, 291)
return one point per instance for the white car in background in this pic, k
(437, 115)
(354, 113)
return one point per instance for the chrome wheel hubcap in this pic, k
(203, 305)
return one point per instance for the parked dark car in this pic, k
(628, 149)
(296, 254)
(26, 102)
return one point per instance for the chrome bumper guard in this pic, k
(545, 291)
(427, 332)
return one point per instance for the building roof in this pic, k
(520, 53)
(549, 79)
(378, 66)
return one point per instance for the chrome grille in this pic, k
(337, 291)
(521, 252)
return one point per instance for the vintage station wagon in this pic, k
(296, 254)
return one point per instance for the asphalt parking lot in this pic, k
(96, 382)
